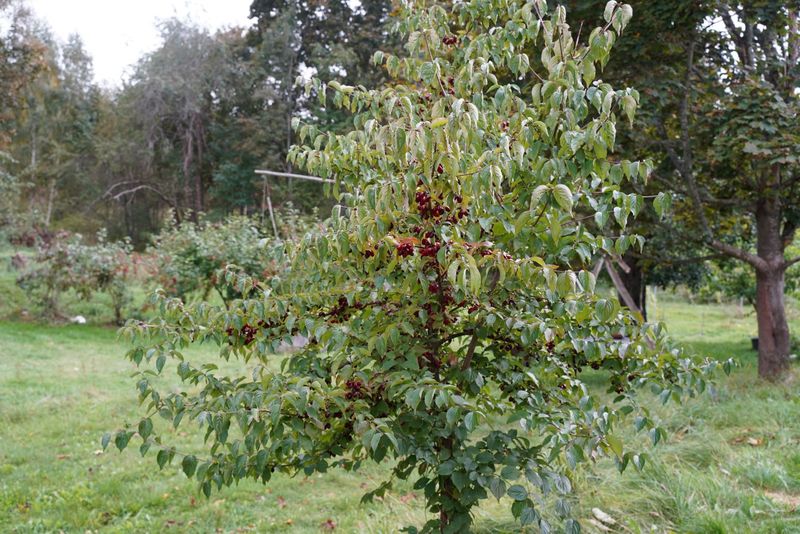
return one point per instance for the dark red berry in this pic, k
(405, 249)
(440, 169)
(433, 287)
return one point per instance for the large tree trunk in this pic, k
(773, 330)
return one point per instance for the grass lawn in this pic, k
(732, 463)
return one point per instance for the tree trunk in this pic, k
(51, 196)
(773, 329)
(634, 282)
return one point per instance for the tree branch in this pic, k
(791, 262)
(736, 252)
(473, 343)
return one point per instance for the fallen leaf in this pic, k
(603, 517)
(407, 498)
(598, 525)
(62, 456)
(289, 522)
(281, 502)
(755, 442)
(680, 434)
(792, 501)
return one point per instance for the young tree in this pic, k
(447, 329)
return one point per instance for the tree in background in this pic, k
(22, 59)
(294, 38)
(172, 95)
(447, 330)
(720, 114)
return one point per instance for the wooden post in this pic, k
(265, 194)
(271, 212)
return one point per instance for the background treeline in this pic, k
(184, 133)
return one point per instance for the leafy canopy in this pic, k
(447, 314)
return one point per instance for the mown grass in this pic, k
(732, 463)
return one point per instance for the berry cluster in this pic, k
(247, 333)
(429, 247)
(449, 40)
(405, 248)
(427, 208)
(355, 389)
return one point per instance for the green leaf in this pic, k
(563, 197)
(537, 195)
(517, 492)
(189, 465)
(452, 416)
(609, 10)
(615, 444)
(145, 428)
(162, 458)
(662, 204)
(629, 107)
(469, 421)
(497, 487)
(438, 122)
(529, 516)
(121, 440)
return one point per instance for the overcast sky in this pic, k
(117, 32)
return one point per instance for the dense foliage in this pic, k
(449, 319)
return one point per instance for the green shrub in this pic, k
(64, 262)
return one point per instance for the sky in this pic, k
(118, 32)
